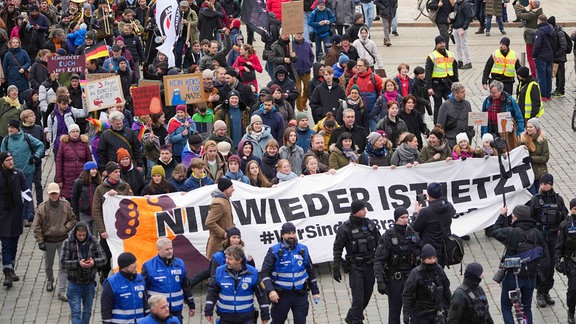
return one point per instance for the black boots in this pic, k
(7, 277)
(14, 276)
(571, 317)
(544, 299)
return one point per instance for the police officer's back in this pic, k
(398, 252)
(433, 222)
(427, 293)
(565, 256)
(359, 235)
(469, 303)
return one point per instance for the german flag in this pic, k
(96, 51)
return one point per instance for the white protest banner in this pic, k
(168, 21)
(316, 204)
(103, 93)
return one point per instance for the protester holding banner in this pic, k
(166, 275)
(537, 144)
(343, 152)
(111, 185)
(359, 236)
(378, 150)
(287, 275)
(219, 217)
(437, 148)
(255, 175)
(453, 115)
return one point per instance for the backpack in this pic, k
(569, 43)
(453, 250)
(372, 78)
(479, 304)
(529, 252)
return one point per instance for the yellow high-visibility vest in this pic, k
(443, 66)
(505, 65)
(528, 102)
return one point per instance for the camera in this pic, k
(499, 275)
(421, 198)
(512, 263)
(498, 143)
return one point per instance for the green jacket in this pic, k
(540, 156)
(7, 113)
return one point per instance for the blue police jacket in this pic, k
(236, 293)
(128, 298)
(166, 280)
(151, 320)
(290, 268)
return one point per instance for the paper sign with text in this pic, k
(183, 89)
(146, 100)
(66, 63)
(476, 118)
(294, 12)
(98, 76)
(104, 93)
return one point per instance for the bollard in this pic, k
(523, 58)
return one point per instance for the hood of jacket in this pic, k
(547, 29)
(65, 138)
(316, 70)
(80, 224)
(442, 206)
(280, 68)
(219, 194)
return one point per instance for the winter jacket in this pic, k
(414, 123)
(387, 8)
(433, 223)
(52, 224)
(368, 90)
(133, 177)
(294, 155)
(151, 147)
(38, 74)
(380, 109)
(493, 8)
(273, 119)
(256, 67)
(82, 195)
(464, 14)
(209, 20)
(287, 85)
(453, 118)
(269, 165)
(393, 129)
(220, 167)
(358, 134)
(316, 17)
(70, 115)
(175, 129)
(404, 154)
(420, 91)
(194, 182)
(11, 68)
(70, 160)
(22, 151)
(443, 12)
(561, 45)
(12, 184)
(246, 95)
(74, 250)
(367, 48)
(544, 43)
(275, 6)
(222, 112)
(304, 136)
(47, 93)
(98, 200)
(111, 140)
(305, 56)
(540, 156)
(410, 82)
(507, 103)
(7, 113)
(154, 189)
(238, 176)
(326, 99)
(337, 158)
(344, 11)
(531, 21)
(132, 43)
(360, 114)
(219, 219)
(370, 159)
(428, 152)
(276, 55)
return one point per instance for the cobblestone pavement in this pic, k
(28, 302)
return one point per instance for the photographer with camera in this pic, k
(565, 257)
(525, 246)
(548, 210)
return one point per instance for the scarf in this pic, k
(257, 135)
(352, 102)
(285, 177)
(493, 111)
(350, 154)
(12, 103)
(407, 153)
(440, 147)
(390, 96)
(488, 151)
(376, 152)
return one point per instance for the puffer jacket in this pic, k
(70, 160)
(20, 149)
(294, 155)
(540, 156)
(70, 116)
(47, 93)
(82, 195)
(53, 224)
(337, 158)
(7, 113)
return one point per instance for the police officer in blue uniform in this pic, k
(288, 275)
(233, 237)
(359, 235)
(548, 209)
(398, 252)
(232, 290)
(165, 275)
(565, 257)
(159, 312)
(123, 294)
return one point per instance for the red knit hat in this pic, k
(122, 153)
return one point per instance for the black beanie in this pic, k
(287, 227)
(232, 231)
(125, 259)
(572, 202)
(439, 39)
(428, 251)
(505, 41)
(474, 272)
(224, 183)
(111, 166)
(356, 206)
(5, 155)
(434, 190)
(399, 212)
(524, 72)
(14, 123)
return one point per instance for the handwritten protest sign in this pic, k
(98, 76)
(146, 100)
(66, 63)
(183, 89)
(294, 12)
(476, 118)
(104, 93)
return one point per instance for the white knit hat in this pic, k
(487, 137)
(461, 137)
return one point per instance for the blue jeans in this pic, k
(179, 50)
(369, 12)
(526, 286)
(81, 298)
(321, 43)
(395, 23)
(544, 76)
(9, 248)
(29, 205)
(489, 23)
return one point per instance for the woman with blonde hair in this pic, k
(537, 145)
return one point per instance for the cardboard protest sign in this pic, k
(183, 89)
(294, 13)
(146, 100)
(66, 63)
(505, 122)
(98, 76)
(103, 93)
(476, 118)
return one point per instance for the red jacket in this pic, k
(255, 64)
(70, 162)
(275, 6)
(364, 81)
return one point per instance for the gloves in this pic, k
(561, 267)
(463, 158)
(336, 273)
(382, 288)
(42, 246)
(527, 159)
